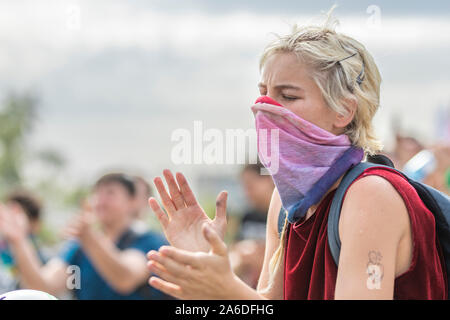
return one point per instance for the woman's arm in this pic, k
(374, 221)
(272, 243)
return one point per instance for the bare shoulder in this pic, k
(373, 205)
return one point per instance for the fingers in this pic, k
(174, 191)
(181, 256)
(171, 265)
(72, 230)
(221, 206)
(217, 245)
(180, 194)
(87, 217)
(160, 214)
(186, 191)
(165, 199)
(166, 287)
(161, 272)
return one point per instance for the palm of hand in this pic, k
(185, 229)
(13, 224)
(183, 222)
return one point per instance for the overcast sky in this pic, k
(116, 78)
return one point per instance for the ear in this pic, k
(343, 120)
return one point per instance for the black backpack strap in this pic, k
(281, 220)
(380, 159)
(439, 204)
(334, 241)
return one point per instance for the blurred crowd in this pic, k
(104, 252)
(408, 155)
(103, 255)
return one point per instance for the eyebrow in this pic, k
(281, 86)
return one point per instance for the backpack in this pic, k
(437, 202)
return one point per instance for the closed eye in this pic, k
(289, 98)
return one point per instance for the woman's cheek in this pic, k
(301, 109)
(314, 113)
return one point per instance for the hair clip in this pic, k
(360, 77)
(348, 57)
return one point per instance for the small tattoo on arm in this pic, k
(375, 270)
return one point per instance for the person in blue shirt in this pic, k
(104, 258)
(26, 205)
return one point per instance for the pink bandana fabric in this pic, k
(298, 154)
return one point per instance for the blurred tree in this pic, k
(76, 196)
(51, 165)
(17, 116)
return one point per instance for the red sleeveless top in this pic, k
(310, 271)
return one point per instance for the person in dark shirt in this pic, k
(105, 257)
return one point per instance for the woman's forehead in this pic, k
(283, 69)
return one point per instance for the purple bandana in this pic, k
(303, 159)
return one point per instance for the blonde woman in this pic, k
(320, 90)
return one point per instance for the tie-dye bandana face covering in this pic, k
(303, 159)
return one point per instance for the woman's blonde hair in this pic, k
(337, 63)
(343, 69)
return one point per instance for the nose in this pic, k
(268, 100)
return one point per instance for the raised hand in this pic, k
(81, 226)
(182, 225)
(14, 225)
